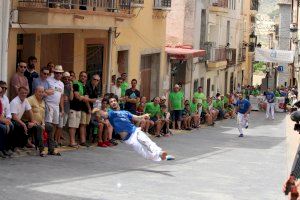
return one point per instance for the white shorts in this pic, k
(144, 146)
(242, 119)
(74, 119)
(52, 114)
(63, 120)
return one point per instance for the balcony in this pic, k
(242, 54)
(137, 3)
(218, 6)
(162, 4)
(215, 56)
(73, 13)
(230, 56)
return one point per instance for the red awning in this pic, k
(184, 53)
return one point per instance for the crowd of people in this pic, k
(45, 104)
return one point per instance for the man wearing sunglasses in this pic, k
(42, 81)
(18, 80)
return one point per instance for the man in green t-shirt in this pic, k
(219, 105)
(124, 85)
(195, 108)
(153, 109)
(176, 99)
(199, 95)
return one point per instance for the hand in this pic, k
(50, 91)
(7, 122)
(31, 124)
(62, 113)
(146, 116)
(24, 127)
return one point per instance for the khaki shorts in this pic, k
(63, 120)
(85, 118)
(74, 118)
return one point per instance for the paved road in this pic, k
(212, 163)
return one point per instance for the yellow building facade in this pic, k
(104, 37)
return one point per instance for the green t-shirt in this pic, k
(205, 105)
(255, 92)
(176, 99)
(199, 96)
(218, 104)
(277, 94)
(124, 87)
(152, 109)
(193, 107)
(225, 100)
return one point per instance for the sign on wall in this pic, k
(274, 55)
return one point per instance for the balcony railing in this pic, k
(95, 5)
(214, 54)
(254, 5)
(242, 54)
(219, 3)
(231, 56)
(162, 4)
(137, 3)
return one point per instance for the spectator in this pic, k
(176, 99)
(19, 80)
(153, 109)
(206, 114)
(124, 85)
(143, 123)
(30, 73)
(199, 95)
(23, 130)
(55, 102)
(117, 89)
(51, 67)
(186, 116)
(214, 112)
(270, 99)
(218, 104)
(38, 109)
(72, 76)
(67, 97)
(195, 114)
(132, 97)
(42, 81)
(113, 81)
(6, 125)
(165, 117)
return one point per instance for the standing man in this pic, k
(132, 97)
(42, 81)
(117, 88)
(124, 85)
(243, 110)
(153, 109)
(30, 73)
(55, 102)
(270, 99)
(199, 95)
(18, 80)
(176, 99)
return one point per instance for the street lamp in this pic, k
(267, 75)
(252, 41)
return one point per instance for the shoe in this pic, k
(43, 154)
(114, 142)
(241, 135)
(74, 146)
(102, 144)
(167, 135)
(170, 157)
(107, 143)
(247, 126)
(30, 145)
(7, 153)
(2, 155)
(188, 129)
(54, 153)
(83, 144)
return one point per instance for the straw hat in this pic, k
(66, 74)
(58, 68)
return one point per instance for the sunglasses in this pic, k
(4, 88)
(24, 67)
(45, 73)
(58, 73)
(96, 79)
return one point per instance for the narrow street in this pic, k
(211, 163)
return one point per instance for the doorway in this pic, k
(208, 88)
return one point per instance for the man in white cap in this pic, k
(55, 102)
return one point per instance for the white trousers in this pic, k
(270, 110)
(144, 146)
(242, 121)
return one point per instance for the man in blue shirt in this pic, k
(121, 121)
(270, 99)
(243, 109)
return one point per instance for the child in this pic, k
(186, 117)
(165, 117)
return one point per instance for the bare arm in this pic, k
(62, 103)
(145, 116)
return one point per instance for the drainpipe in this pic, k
(4, 27)
(111, 31)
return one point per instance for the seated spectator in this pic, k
(186, 116)
(195, 107)
(219, 105)
(214, 112)
(229, 111)
(23, 129)
(206, 113)
(165, 118)
(153, 108)
(38, 110)
(144, 123)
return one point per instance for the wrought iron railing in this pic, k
(214, 54)
(162, 4)
(231, 56)
(219, 3)
(108, 5)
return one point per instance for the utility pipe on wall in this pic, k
(4, 27)
(111, 32)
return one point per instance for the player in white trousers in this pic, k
(270, 99)
(243, 110)
(121, 121)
